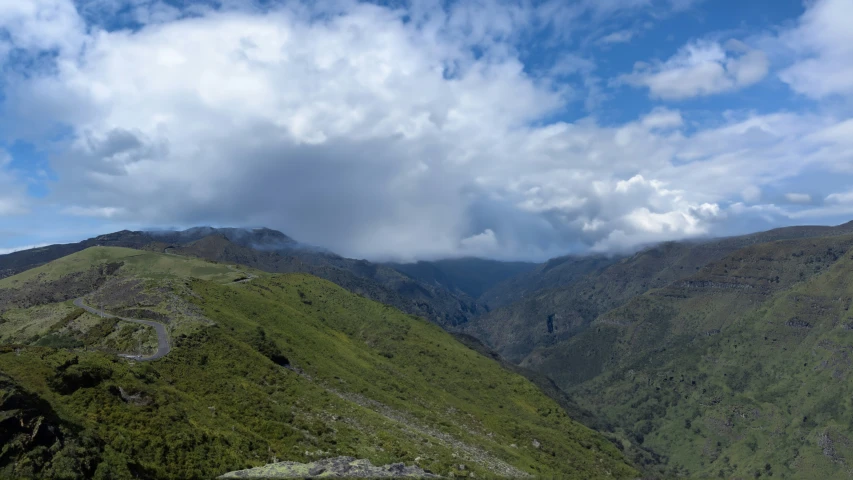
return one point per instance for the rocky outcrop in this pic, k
(339, 467)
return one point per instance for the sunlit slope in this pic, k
(284, 367)
(134, 262)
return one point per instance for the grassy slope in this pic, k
(742, 377)
(138, 263)
(368, 381)
(377, 282)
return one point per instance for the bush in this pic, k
(54, 340)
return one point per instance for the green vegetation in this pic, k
(285, 367)
(137, 263)
(742, 370)
(26, 325)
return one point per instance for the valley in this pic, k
(722, 358)
(283, 367)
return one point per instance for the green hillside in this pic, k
(283, 367)
(561, 298)
(740, 370)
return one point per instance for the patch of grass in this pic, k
(136, 263)
(23, 325)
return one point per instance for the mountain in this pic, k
(728, 357)
(260, 238)
(554, 273)
(272, 251)
(740, 370)
(262, 368)
(257, 238)
(471, 276)
(557, 312)
(374, 281)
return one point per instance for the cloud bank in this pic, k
(395, 132)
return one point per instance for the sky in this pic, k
(423, 129)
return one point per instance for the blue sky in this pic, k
(424, 129)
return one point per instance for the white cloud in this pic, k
(481, 244)
(102, 212)
(798, 197)
(5, 251)
(842, 198)
(699, 69)
(620, 36)
(663, 118)
(40, 25)
(823, 41)
(751, 194)
(378, 137)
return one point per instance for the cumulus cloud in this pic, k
(700, 68)
(39, 25)
(391, 133)
(823, 42)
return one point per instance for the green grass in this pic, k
(363, 380)
(62, 325)
(137, 263)
(24, 325)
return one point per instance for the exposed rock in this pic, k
(716, 285)
(339, 467)
(797, 323)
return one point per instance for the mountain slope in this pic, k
(374, 281)
(283, 367)
(555, 273)
(471, 276)
(275, 252)
(550, 316)
(740, 370)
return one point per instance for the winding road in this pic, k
(163, 344)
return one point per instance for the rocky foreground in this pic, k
(339, 467)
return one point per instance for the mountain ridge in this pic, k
(274, 251)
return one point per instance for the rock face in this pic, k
(339, 467)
